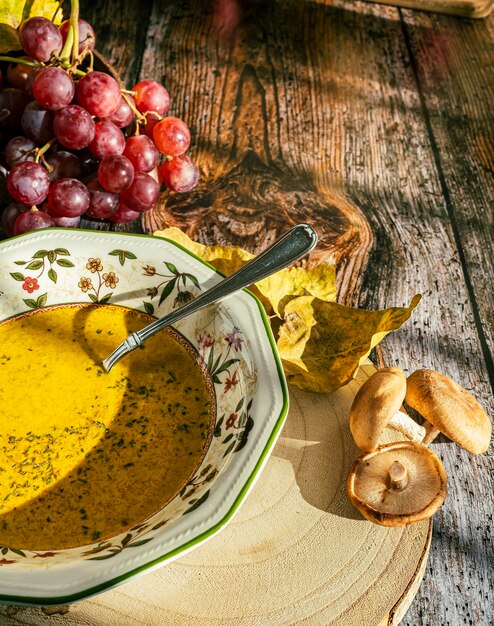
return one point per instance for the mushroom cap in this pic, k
(450, 408)
(379, 398)
(370, 490)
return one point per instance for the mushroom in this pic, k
(450, 409)
(377, 405)
(398, 484)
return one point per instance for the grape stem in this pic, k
(140, 117)
(91, 59)
(69, 42)
(40, 152)
(21, 61)
(74, 22)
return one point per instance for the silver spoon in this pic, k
(290, 247)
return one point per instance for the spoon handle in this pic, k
(290, 247)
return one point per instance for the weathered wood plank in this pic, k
(454, 64)
(256, 157)
(463, 8)
(121, 28)
(459, 109)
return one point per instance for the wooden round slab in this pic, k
(296, 552)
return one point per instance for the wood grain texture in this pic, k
(297, 552)
(380, 119)
(252, 123)
(463, 8)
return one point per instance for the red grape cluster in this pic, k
(73, 143)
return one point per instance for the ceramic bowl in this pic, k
(234, 340)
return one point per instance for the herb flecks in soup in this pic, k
(84, 454)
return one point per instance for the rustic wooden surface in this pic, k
(375, 124)
(464, 8)
(297, 551)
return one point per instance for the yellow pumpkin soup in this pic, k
(85, 454)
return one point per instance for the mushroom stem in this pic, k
(398, 476)
(408, 427)
(431, 432)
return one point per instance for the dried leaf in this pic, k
(225, 260)
(14, 12)
(318, 281)
(296, 281)
(322, 344)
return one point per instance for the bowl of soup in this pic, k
(104, 476)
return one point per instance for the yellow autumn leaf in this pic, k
(14, 12)
(225, 260)
(322, 344)
(295, 281)
(319, 281)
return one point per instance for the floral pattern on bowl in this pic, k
(53, 267)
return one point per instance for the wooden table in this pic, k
(375, 124)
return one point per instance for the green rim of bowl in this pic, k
(105, 586)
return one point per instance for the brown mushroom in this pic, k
(398, 484)
(450, 409)
(377, 405)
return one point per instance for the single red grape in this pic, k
(141, 152)
(28, 183)
(103, 204)
(123, 116)
(53, 88)
(68, 197)
(180, 174)
(12, 105)
(151, 121)
(151, 96)
(98, 93)
(87, 36)
(108, 139)
(9, 215)
(32, 220)
(67, 222)
(40, 38)
(124, 214)
(37, 123)
(89, 162)
(143, 194)
(115, 173)
(28, 87)
(18, 150)
(65, 165)
(73, 127)
(18, 73)
(171, 136)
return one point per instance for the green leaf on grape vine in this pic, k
(13, 12)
